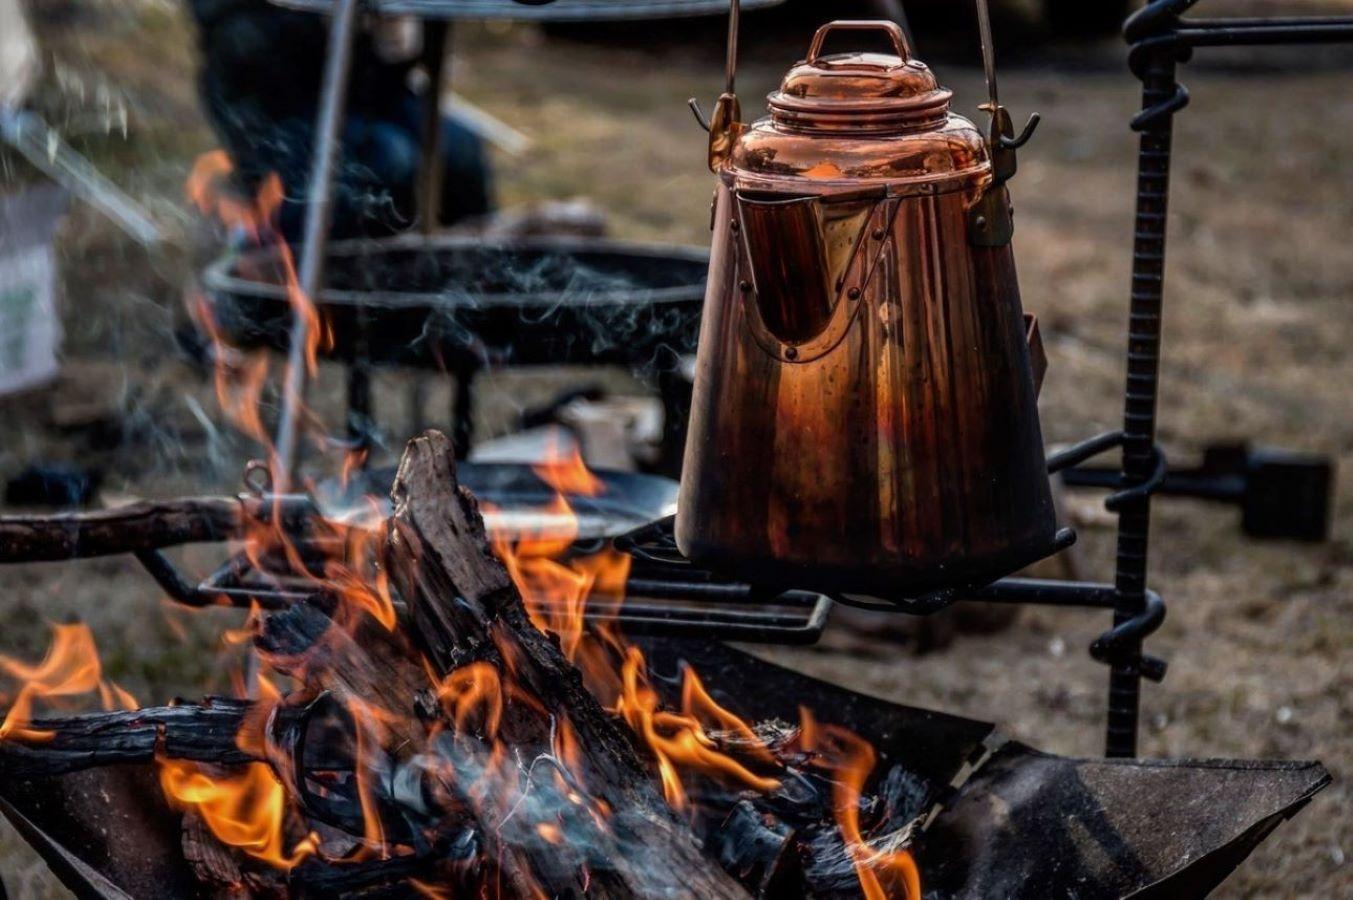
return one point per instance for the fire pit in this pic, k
(1113, 828)
(404, 702)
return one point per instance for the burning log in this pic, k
(368, 665)
(465, 610)
(205, 733)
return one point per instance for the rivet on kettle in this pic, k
(879, 234)
(734, 225)
(791, 353)
(981, 222)
(744, 286)
(853, 293)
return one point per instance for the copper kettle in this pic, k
(864, 417)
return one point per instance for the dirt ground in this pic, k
(1258, 329)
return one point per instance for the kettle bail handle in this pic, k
(731, 60)
(893, 30)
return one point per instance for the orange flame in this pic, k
(369, 722)
(556, 593)
(556, 590)
(245, 808)
(239, 386)
(470, 691)
(70, 667)
(677, 740)
(565, 471)
(850, 759)
(357, 580)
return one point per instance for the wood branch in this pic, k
(203, 733)
(464, 608)
(127, 529)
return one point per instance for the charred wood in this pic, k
(464, 608)
(202, 733)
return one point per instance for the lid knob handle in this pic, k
(894, 31)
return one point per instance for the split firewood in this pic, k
(464, 609)
(369, 666)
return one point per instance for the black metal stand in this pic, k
(1160, 41)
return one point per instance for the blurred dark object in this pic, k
(260, 83)
(456, 304)
(545, 10)
(1060, 17)
(1086, 17)
(57, 484)
(1282, 495)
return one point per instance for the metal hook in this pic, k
(1009, 143)
(699, 113)
(257, 477)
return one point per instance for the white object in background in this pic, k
(27, 133)
(44, 148)
(531, 447)
(486, 125)
(30, 329)
(19, 64)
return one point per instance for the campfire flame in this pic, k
(244, 807)
(240, 378)
(249, 807)
(850, 759)
(70, 668)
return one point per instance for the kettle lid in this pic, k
(870, 92)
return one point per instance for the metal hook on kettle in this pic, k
(725, 125)
(1004, 141)
(992, 218)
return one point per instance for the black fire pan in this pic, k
(1010, 822)
(451, 302)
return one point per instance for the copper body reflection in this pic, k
(865, 413)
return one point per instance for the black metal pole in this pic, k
(359, 424)
(462, 410)
(1161, 97)
(435, 37)
(319, 200)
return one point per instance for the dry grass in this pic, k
(1258, 333)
